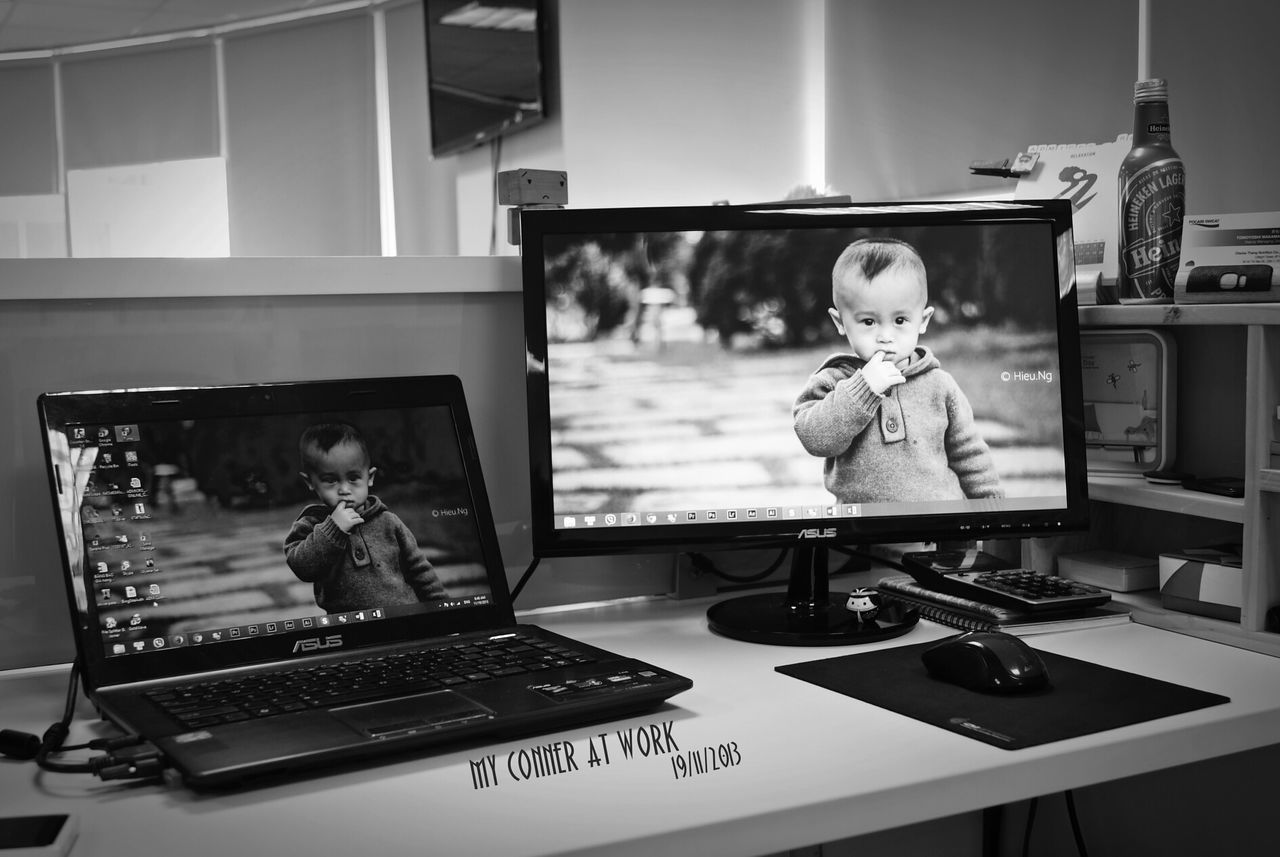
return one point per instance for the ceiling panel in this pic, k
(46, 24)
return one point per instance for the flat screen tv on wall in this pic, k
(485, 76)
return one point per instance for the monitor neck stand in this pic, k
(808, 614)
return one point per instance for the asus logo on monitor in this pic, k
(815, 533)
(313, 644)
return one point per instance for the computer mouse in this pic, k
(988, 662)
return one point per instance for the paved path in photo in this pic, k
(692, 437)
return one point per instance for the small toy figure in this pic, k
(864, 604)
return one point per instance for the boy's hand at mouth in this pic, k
(881, 374)
(345, 516)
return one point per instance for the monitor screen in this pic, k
(484, 71)
(743, 376)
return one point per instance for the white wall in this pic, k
(676, 102)
(668, 102)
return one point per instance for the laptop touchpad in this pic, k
(409, 714)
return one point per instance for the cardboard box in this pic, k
(1119, 572)
(1207, 581)
(1229, 258)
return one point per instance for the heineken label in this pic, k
(1151, 210)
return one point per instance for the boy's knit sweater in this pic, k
(377, 564)
(919, 442)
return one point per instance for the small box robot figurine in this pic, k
(864, 604)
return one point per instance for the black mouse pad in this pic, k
(1084, 697)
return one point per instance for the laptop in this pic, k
(230, 609)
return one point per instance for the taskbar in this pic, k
(117, 644)
(591, 520)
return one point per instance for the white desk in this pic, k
(814, 766)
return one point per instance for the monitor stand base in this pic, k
(807, 614)
(766, 618)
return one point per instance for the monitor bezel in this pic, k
(549, 541)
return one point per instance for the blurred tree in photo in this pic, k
(595, 284)
(771, 285)
(772, 288)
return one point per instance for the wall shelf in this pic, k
(1146, 609)
(1166, 315)
(1242, 415)
(1135, 491)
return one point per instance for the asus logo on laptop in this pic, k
(313, 644)
(815, 533)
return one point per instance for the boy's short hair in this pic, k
(323, 437)
(872, 256)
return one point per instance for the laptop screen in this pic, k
(207, 518)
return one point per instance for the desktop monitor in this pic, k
(690, 389)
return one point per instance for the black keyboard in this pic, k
(1023, 589)
(335, 683)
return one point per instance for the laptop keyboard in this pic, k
(360, 680)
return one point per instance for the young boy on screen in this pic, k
(891, 424)
(353, 550)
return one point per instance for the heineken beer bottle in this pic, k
(1152, 197)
